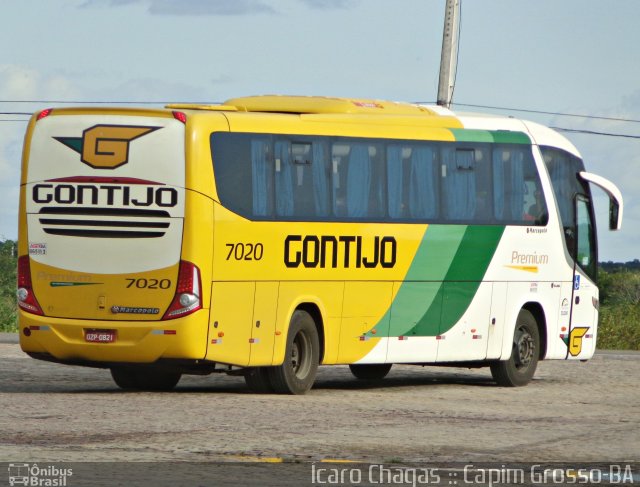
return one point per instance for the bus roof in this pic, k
(402, 113)
(320, 105)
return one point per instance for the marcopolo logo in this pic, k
(105, 146)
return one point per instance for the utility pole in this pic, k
(449, 56)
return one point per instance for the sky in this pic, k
(569, 57)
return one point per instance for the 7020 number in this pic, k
(245, 251)
(149, 283)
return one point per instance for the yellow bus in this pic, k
(269, 235)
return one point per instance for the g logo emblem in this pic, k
(575, 340)
(105, 146)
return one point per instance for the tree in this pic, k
(622, 287)
(8, 264)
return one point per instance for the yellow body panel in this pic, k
(364, 304)
(326, 297)
(231, 322)
(319, 104)
(263, 331)
(247, 301)
(141, 342)
(91, 296)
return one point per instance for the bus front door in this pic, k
(581, 339)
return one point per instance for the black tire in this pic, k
(145, 378)
(370, 371)
(124, 377)
(298, 371)
(257, 379)
(519, 369)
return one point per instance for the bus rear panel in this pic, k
(104, 198)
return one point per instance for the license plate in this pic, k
(100, 336)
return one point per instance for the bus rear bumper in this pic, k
(65, 340)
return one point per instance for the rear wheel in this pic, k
(124, 377)
(519, 369)
(145, 378)
(298, 371)
(370, 371)
(257, 379)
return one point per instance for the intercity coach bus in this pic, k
(269, 235)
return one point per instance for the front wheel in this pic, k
(519, 369)
(298, 371)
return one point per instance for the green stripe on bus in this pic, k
(428, 269)
(509, 137)
(443, 278)
(471, 135)
(467, 271)
(491, 136)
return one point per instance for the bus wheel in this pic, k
(145, 378)
(298, 372)
(124, 377)
(519, 369)
(257, 379)
(370, 371)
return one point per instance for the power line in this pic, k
(103, 102)
(165, 102)
(561, 114)
(561, 129)
(593, 132)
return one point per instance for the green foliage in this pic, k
(620, 287)
(8, 307)
(619, 326)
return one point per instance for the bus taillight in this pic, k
(187, 298)
(26, 298)
(44, 113)
(180, 116)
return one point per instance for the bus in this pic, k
(269, 235)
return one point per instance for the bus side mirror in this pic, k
(615, 221)
(615, 198)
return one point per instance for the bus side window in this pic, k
(339, 153)
(397, 181)
(459, 183)
(536, 209)
(357, 181)
(423, 190)
(321, 178)
(517, 189)
(412, 182)
(261, 178)
(243, 172)
(482, 168)
(301, 179)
